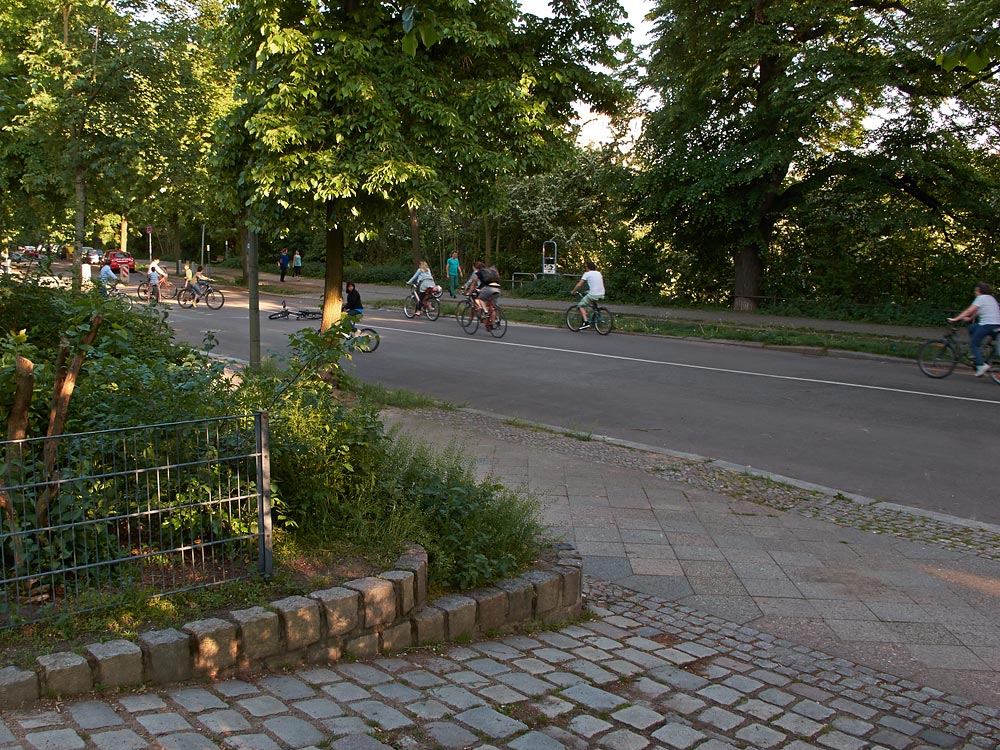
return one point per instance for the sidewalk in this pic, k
(756, 628)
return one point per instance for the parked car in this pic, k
(90, 255)
(119, 259)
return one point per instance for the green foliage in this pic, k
(813, 156)
(555, 287)
(364, 273)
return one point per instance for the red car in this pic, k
(119, 259)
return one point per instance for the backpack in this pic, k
(491, 275)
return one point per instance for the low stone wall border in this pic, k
(362, 618)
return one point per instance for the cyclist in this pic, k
(352, 303)
(485, 281)
(188, 275)
(156, 275)
(107, 278)
(424, 281)
(595, 290)
(985, 308)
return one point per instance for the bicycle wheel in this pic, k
(280, 315)
(603, 321)
(937, 359)
(574, 318)
(214, 299)
(498, 329)
(461, 309)
(142, 291)
(470, 320)
(410, 306)
(122, 300)
(310, 314)
(366, 340)
(185, 298)
(433, 310)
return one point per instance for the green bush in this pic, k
(362, 273)
(546, 288)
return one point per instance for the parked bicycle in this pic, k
(600, 318)
(938, 358)
(284, 313)
(212, 297)
(426, 304)
(470, 316)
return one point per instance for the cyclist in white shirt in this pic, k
(985, 308)
(595, 290)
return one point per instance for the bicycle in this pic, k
(212, 297)
(429, 305)
(120, 297)
(284, 313)
(601, 319)
(938, 358)
(470, 315)
(166, 290)
(363, 339)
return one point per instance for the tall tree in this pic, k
(336, 111)
(769, 103)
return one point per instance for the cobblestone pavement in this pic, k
(639, 673)
(895, 589)
(653, 664)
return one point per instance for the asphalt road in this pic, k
(876, 428)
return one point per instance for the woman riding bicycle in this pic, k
(985, 307)
(423, 280)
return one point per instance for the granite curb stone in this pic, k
(362, 619)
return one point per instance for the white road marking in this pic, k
(750, 373)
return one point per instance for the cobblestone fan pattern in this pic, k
(876, 517)
(641, 673)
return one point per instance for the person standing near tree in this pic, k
(283, 260)
(455, 272)
(297, 264)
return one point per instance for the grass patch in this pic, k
(380, 396)
(822, 341)
(299, 570)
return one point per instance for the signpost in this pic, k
(149, 232)
(549, 261)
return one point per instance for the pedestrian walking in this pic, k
(283, 260)
(455, 272)
(297, 264)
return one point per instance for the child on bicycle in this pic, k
(984, 307)
(595, 290)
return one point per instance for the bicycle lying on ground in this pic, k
(284, 313)
(470, 315)
(938, 358)
(428, 305)
(212, 297)
(600, 318)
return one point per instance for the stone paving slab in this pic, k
(901, 592)
(638, 672)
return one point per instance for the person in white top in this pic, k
(595, 290)
(985, 308)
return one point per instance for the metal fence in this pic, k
(91, 520)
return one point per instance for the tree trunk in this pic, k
(123, 241)
(415, 236)
(488, 240)
(243, 240)
(334, 279)
(62, 392)
(749, 271)
(79, 223)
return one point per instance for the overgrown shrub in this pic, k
(364, 273)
